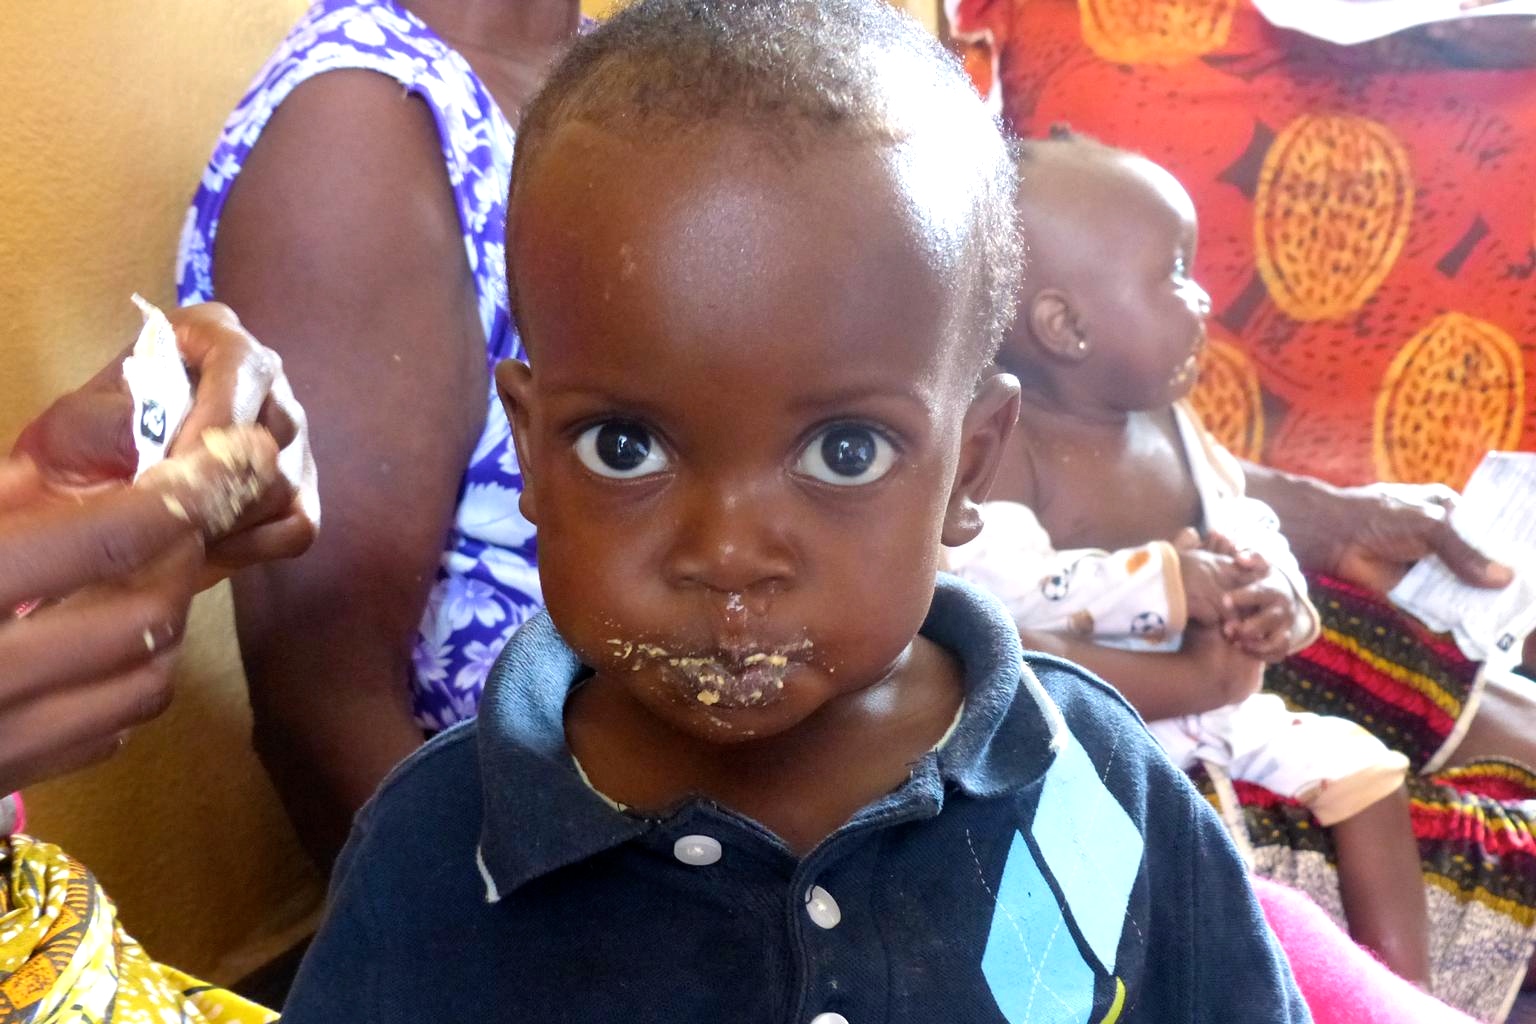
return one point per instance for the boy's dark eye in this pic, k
(848, 451)
(622, 446)
(620, 449)
(846, 455)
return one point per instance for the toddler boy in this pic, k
(753, 765)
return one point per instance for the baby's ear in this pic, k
(1054, 324)
(514, 385)
(988, 423)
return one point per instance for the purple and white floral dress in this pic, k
(487, 583)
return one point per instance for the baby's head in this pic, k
(1110, 317)
(761, 256)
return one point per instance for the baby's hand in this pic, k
(1210, 570)
(1263, 618)
(1253, 564)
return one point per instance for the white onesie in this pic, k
(1134, 599)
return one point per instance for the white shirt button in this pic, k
(697, 851)
(829, 1018)
(824, 913)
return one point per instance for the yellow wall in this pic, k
(110, 111)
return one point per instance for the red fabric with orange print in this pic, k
(1366, 232)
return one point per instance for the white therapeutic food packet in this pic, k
(162, 396)
(1496, 514)
(157, 380)
(1349, 22)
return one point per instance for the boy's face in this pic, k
(741, 435)
(1129, 230)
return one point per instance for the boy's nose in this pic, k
(730, 540)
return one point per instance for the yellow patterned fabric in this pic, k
(65, 959)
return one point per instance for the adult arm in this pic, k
(1498, 43)
(341, 246)
(117, 571)
(1369, 535)
(1205, 674)
(1502, 42)
(1014, 553)
(116, 566)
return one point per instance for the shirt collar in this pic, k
(540, 815)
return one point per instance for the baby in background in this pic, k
(759, 762)
(1120, 537)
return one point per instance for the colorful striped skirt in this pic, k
(1476, 824)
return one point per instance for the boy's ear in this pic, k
(514, 385)
(1054, 324)
(988, 423)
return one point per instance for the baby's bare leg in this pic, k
(1382, 886)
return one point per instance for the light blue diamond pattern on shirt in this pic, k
(1032, 963)
(1091, 846)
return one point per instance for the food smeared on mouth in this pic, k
(736, 679)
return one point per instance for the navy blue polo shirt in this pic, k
(1046, 863)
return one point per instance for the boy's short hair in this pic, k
(797, 71)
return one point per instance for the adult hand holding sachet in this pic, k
(107, 568)
(96, 435)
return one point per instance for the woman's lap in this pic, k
(1475, 820)
(1384, 671)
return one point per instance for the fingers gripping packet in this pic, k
(1497, 514)
(161, 392)
(157, 380)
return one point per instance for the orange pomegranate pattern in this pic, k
(1335, 198)
(1228, 400)
(1346, 203)
(1156, 31)
(1453, 392)
(1366, 239)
